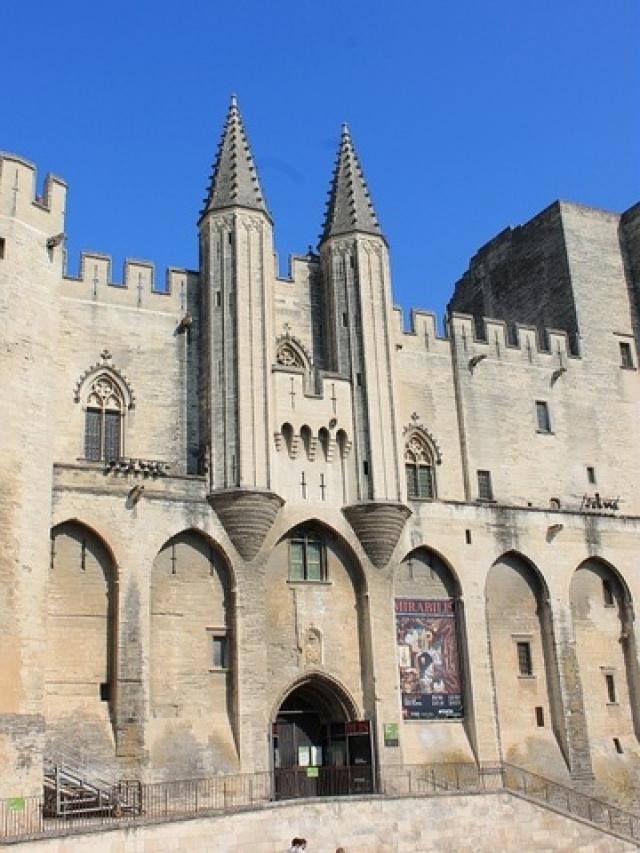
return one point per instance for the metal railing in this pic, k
(415, 780)
(135, 802)
(571, 802)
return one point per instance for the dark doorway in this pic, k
(318, 748)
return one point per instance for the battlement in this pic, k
(137, 289)
(422, 333)
(19, 198)
(499, 339)
(484, 336)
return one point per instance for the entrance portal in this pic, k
(319, 749)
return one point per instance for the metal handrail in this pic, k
(595, 809)
(132, 802)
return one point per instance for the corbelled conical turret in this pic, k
(234, 181)
(349, 208)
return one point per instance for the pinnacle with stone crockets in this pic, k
(234, 181)
(349, 207)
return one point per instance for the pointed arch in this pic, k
(431, 640)
(537, 580)
(329, 602)
(610, 569)
(112, 374)
(329, 691)
(439, 564)
(524, 663)
(606, 647)
(326, 533)
(82, 619)
(193, 667)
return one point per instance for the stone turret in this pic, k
(355, 267)
(236, 268)
(31, 230)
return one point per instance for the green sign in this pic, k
(16, 804)
(313, 772)
(391, 734)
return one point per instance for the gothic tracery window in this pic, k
(418, 461)
(103, 420)
(288, 356)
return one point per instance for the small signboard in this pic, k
(391, 735)
(313, 772)
(16, 804)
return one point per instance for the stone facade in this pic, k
(212, 493)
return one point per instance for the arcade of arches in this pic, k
(321, 658)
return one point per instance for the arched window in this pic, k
(103, 420)
(418, 462)
(324, 438)
(306, 436)
(287, 434)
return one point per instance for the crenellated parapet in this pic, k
(422, 334)
(525, 341)
(20, 200)
(138, 287)
(482, 338)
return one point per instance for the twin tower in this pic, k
(238, 334)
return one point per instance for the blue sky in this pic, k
(467, 116)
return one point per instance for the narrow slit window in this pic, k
(2, 248)
(539, 716)
(485, 489)
(626, 357)
(607, 592)
(591, 474)
(93, 435)
(525, 663)
(542, 416)
(618, 745)
(111, 435)
(219, 651)
(611, 688)
(467, 537)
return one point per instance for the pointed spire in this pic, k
(349, 207)
(234, 180)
